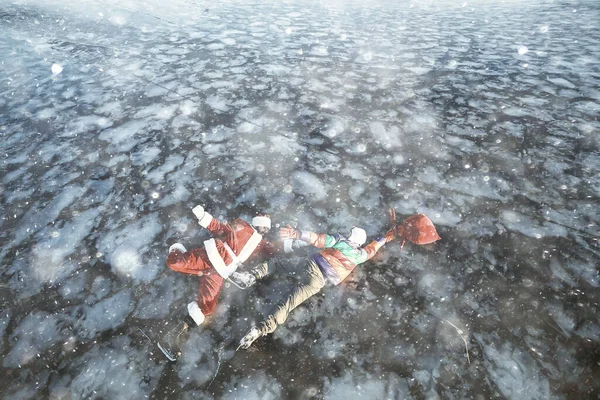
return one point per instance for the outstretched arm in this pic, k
(320, 240)
(216, 227)
(372, 248)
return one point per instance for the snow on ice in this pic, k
(117, 117)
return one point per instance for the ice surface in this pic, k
(117, 117)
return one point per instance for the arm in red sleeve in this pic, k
(216, 227)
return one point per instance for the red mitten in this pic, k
(390, 235)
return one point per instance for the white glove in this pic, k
(198, 211)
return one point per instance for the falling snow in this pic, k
(117, 117)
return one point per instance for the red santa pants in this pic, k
(211, 282)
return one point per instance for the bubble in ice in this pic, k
(288, 30)
(522, 50)
(260, 168)
(125, 261)
(343, 37)
(182, 227)
(56, 69)
(467, 166)
(186, 108)
(54, 234)
(544, 28)
(361, 148)
(368, 56)
(486, 178)
(155, 195)
(399, 159)
(287, 189)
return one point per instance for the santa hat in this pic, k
(262, 220)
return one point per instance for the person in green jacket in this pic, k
(340, 255)
(337, 259)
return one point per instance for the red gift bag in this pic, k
(417, 228)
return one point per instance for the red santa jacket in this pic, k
(231, 246)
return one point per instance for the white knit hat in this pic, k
(262, 220)
(358, 236)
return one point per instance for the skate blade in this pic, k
(167, 353)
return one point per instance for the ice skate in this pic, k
(171, 343)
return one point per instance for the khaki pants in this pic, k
(310, 282)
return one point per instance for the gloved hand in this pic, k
(198, 212)
(243, 279)
(288, 233)
(390, 235)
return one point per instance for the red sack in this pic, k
(418, 229)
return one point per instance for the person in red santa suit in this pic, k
(232, 245)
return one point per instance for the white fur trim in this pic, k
(177, 246)
(217, 261)
(195, 313)
(358, 236)
(249, 247)
(261, 220)
(205, 220)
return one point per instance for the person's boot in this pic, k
(170, 344)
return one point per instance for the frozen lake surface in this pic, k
(117, 117)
